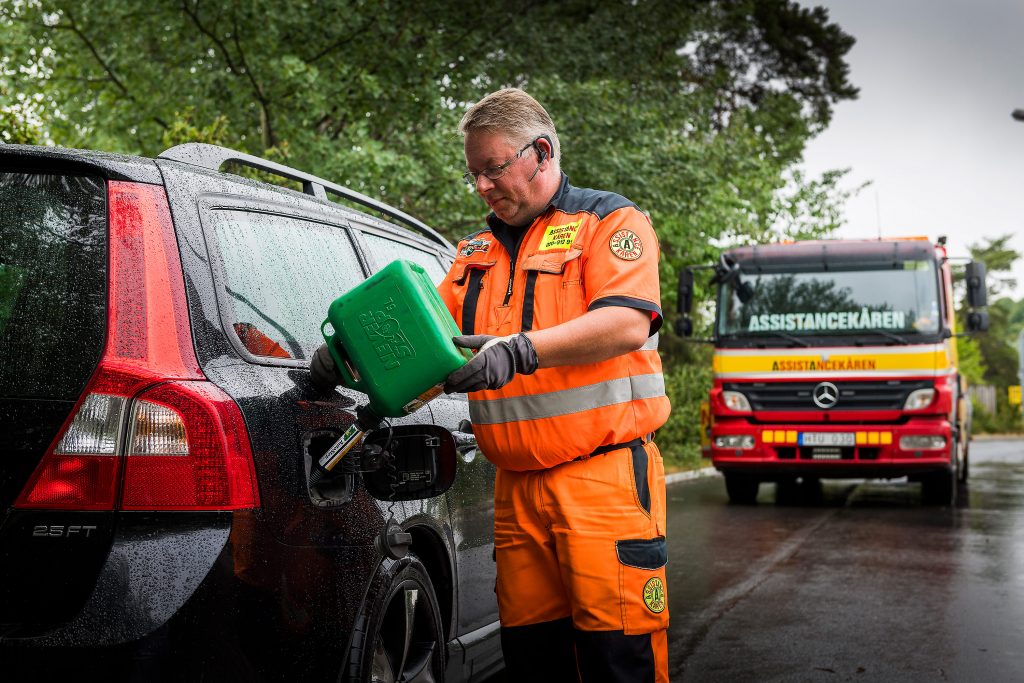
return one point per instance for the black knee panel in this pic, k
(542, 652)
(614, 657)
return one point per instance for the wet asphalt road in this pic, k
(865, 584)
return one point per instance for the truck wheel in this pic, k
(787, 492)
(742, 489)
(811, 491)
(399, 636)
(939, 488)
(965, 468)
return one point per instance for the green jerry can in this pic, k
(391, 338)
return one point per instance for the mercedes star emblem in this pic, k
(825, 395)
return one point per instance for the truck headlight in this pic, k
(922, 443)
(734, 400)
(741, 441)
(922, 398)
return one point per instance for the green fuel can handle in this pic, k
(391, 338)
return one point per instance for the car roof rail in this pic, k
(212, 157)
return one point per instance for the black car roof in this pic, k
(111, 166)
(144, 170)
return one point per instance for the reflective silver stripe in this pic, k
(652, 343)
(566, 401)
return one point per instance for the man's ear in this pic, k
(542, 153)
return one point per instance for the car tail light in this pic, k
(148, 409)
(187, 450)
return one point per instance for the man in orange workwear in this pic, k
(560, 295)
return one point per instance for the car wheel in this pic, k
(399, 637)
(742, 489)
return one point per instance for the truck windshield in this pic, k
(893, 303)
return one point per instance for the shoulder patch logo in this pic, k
(560, 236)
(627, 245)
(475, 245)
(654, 595)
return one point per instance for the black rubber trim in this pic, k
(643, 492)
(528, 300)
(469, 303)
(643, 553)
(630, 302)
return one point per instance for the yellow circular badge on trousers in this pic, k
(654, 595)
(627, 245)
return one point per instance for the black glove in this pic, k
(322, 371)
(494, 366)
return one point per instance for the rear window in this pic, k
(280, 276)
(53, 274)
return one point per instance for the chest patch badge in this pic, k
(654, 595)
(627, 245)
(560, 236)
(474, 246)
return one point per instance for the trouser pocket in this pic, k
(642, 591)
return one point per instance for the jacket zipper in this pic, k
(513, 260)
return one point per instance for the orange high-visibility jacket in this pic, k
(587, 250)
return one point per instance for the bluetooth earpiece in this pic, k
(542, 154)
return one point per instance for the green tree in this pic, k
(699, 121)
(998, 346)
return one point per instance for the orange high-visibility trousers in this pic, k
(581, 560)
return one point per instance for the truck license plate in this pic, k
(827, 439)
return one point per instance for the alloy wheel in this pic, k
(405, 646)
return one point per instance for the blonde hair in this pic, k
(515, 114)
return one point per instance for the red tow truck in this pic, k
(838, 359)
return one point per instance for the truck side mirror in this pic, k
(977, 321)
(684, 324)
(977, 288)
(418, 462)
(686, 291)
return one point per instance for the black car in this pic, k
(160, 520)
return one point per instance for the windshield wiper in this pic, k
(890, 335)
(771, 333)
(795, 340)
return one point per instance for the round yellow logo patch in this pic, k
(654, 595)
(626, 245)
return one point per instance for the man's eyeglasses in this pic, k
(495, 172)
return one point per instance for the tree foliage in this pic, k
(696, 110)
(997, 348)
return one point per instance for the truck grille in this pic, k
(880, 395)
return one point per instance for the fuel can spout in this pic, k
(366, 421)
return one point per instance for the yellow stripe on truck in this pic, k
(834, 361)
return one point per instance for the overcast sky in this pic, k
(931, 128)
